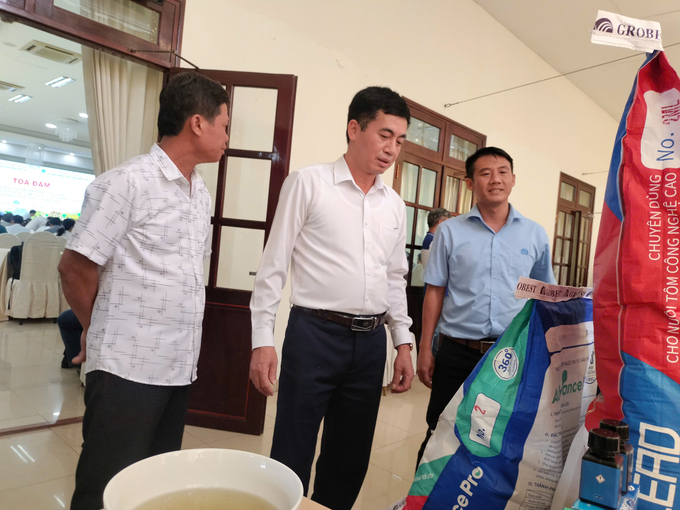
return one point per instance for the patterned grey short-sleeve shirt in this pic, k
(149, 233)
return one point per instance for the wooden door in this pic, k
(244, 187)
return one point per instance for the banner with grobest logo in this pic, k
(637, 283)
(502, 441)
(636, 34)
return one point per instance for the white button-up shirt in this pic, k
(149, 233)
(346, 251)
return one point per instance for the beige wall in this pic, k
(433, 52)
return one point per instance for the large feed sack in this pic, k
(502, 440)
(637, 279)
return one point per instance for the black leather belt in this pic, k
(482, 345)
(354, 322)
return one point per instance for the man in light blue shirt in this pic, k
(478, 257)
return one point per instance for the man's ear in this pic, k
(353, 129)
(468, 181)
(195, 124)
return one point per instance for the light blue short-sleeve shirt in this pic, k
(481, 269)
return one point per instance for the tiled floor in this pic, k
(37, 468)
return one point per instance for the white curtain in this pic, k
(122, 105)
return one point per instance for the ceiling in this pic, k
(559, 32)
(32, 72)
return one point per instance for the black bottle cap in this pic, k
(604, 441)
(618, 426)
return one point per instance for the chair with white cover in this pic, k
(37, 293)
(62, 243)
(24, 235)
(7, 241)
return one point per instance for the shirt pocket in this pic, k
(523, 263)
(387, 240)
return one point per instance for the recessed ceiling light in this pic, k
(51, 126)
(21, 98)
(4, 141)
(72, 154)
(83, 115)
(60, 82)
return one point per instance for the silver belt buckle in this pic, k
(363, 323)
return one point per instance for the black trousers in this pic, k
(453, 364)
(124, 422)
(70, 330)
(332, 373)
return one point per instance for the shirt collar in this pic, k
(168, 167)
(513, 215)
(341, 173)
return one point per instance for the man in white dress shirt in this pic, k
(16, 227)
(343, 233)
(133, 274)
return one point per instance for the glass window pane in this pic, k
(240, 253)
(584, 198)
(421, 226)
(253, 116)
(556, 273)
(460, 148)
(563, 275)
(451, 187)
(409, 182)
(557, 256)
(417, 270)
(410, 214)
(568, 225)
(580, 254)
(247, 189)
(424, 134)
(560, 223)
(124, 15)
(209, 172)
(567, 191)
(428, 184)
(465, 199)
(585, 230)
(566, 252)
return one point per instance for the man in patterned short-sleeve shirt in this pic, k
(133, 274)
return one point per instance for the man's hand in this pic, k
(82, 356)
(425, 365)
(263, 369)
(403, 370)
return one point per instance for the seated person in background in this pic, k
(36, 223)
(30, 215)
(66, 228)
(70, 330)
(6, 220)
(3, 230)
(53, 225)
(16, 225)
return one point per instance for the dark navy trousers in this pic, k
(332, 373)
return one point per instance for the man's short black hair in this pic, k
(32, 211)
(185, 95)
(485, 151)
(68, 223)
(367, 103)
(18, 219)
(7, 217)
